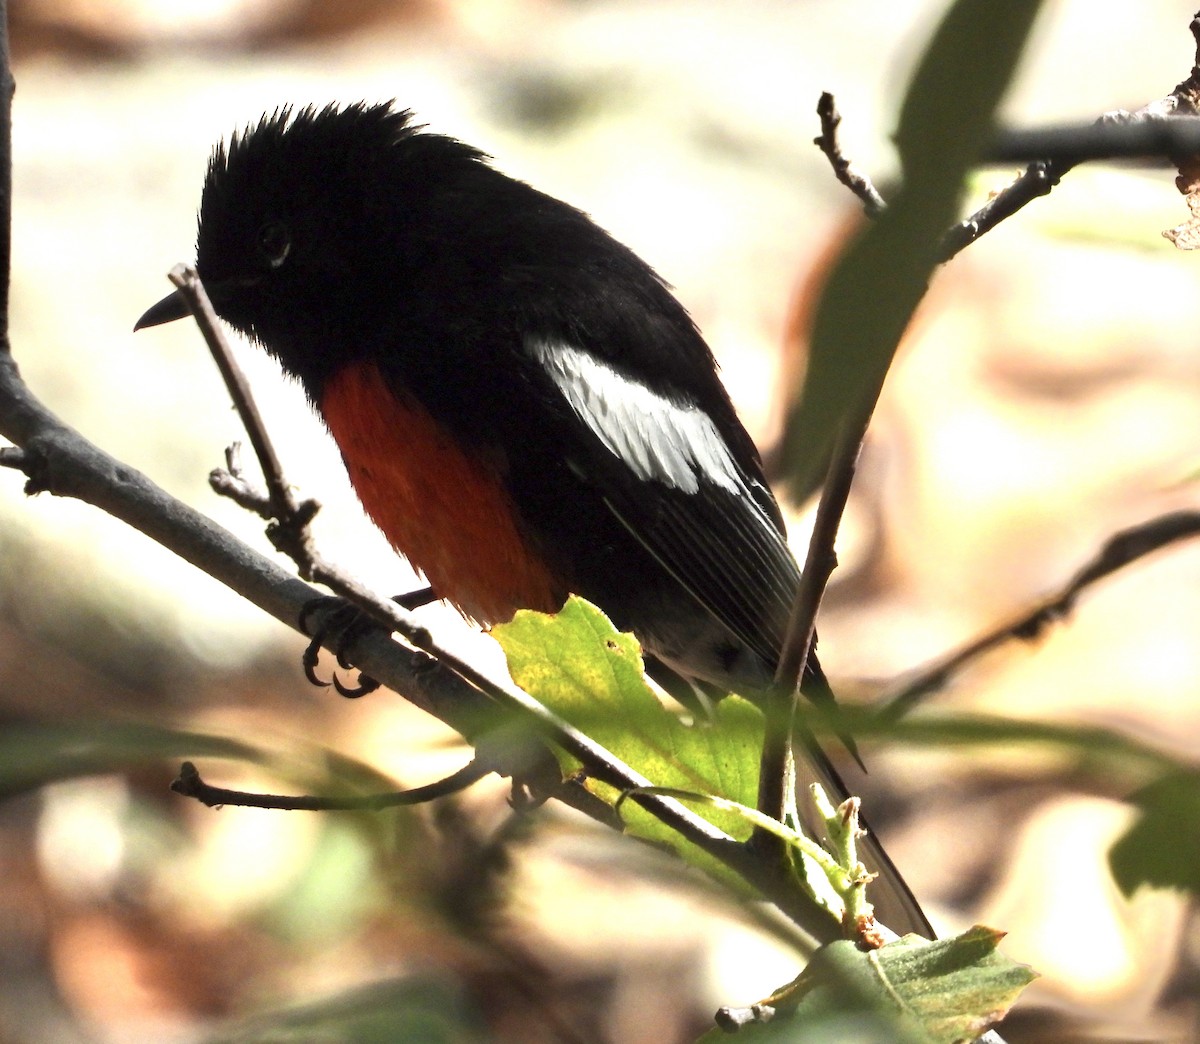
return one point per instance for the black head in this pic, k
(290, 219)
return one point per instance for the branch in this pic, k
(279, 494)
(189, 784)
(1168, 128)
(1037, 180)
(1120, 550)
(1056, 151)
(775, 780)
(820, 560)
(849, 175)
(7, 88)
(1150, 133)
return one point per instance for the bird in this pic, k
(523, 406)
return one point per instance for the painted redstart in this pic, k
(524, 408)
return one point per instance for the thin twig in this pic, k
(1037, 180)
(845, 171)
(775, 776)
(820, 560)
(279, 492)
(1118, 551)
(190, 784)
(7, 87)
(231, 482)
(1166, 129)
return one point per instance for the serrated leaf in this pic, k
(579, 666)
(1162, 847)
(912, 990)
(957, 988)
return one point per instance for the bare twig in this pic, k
(289, 532)
(849, 175)
(776, 781)
(231, 482)
(1038, 179)
(1168, 128)
(820, 561)
(7, 87)
(190, 784)
(283, 502)
(1120, 550)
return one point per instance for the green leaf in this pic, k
(425, 1008)
(36, 754)
(1101, 752)
(1162, 847)
(956, 988)
(912, 990)
(945, 121)
(334, 890)
(579, 666)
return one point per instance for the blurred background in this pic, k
(1048, 395)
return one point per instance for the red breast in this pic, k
(443, 509)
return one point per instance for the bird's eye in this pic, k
(274, 242)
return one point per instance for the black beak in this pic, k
(170, 308)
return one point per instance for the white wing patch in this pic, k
(672, 443)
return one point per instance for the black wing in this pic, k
(682, 489)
